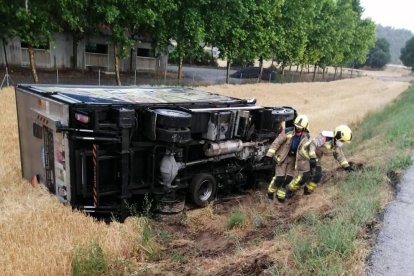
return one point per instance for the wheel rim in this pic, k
(206, 190)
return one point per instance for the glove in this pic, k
(312, 163)
(349, 169)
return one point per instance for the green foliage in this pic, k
(292, 29)
(196, 56)
(363, 40)
(177, 257)
(379, 56)
(397, 39)
(89, 260)
(407, 54)
(236, 219)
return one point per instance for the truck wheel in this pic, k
(173, 135)
(203, 189)
(170, 118)
(282, 114)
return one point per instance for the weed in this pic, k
(400, 161)
(177, 257)
(146, 206)
(236, 219)
(148, 243)
(238, 248)
(257, 219)
(184, 217)
(89, 260)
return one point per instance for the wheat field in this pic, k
(38, 235)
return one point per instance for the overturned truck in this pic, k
(102, 149)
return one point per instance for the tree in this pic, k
(363, 40)
(226, 28)
(292, 31)
(261, 31)
(407, 54)
(322, 36)
(35, 27)
(75, 16)
(8, 9)
(379, 55)
(187, 28)
(346, 22)
(124, 19)
(363, 37)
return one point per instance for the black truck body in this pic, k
(101, 148)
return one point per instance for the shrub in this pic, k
(236, 219)
(89, 260)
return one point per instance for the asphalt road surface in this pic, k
(394, 252)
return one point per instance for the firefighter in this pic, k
(284, 150)
(327, 142)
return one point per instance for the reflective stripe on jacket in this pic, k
(324, 144)
(280, 147)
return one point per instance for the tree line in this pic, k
(319, 33)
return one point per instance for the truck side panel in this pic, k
(43, 151)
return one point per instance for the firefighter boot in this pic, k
(293, 186)
(281, 194)
(309, 187)
(271, 190)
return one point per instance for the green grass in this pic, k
(89, 260)
(325, 246)
(236, 219)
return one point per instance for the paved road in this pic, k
(394, 252)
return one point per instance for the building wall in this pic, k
(59, 55)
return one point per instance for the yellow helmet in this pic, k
(301, 122)
(343, 133)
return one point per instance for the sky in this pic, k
(396, 13)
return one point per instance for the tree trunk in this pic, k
(301, 71)
(131, 59)
(283, 72)
(290, 68)
(116, 57)
(336, 69)
(5, 54)
(33, 64)
(323, 73)
(180, 68)
(259, 78)
(352, 70)
(314, 73)
(297, 68)
(75, 42)
(227, 71)
(340, 75)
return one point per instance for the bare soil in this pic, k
(38, 235)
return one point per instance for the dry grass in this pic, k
(326, 104)
(38, 235)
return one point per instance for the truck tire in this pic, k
(171, 118)
(173, 135)
(202, 189)
(283, 114)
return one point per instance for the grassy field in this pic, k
(328, 233)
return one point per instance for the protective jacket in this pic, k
(281, 146)
(323, 144)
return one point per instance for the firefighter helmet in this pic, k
(343, 133)
(301, 122)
